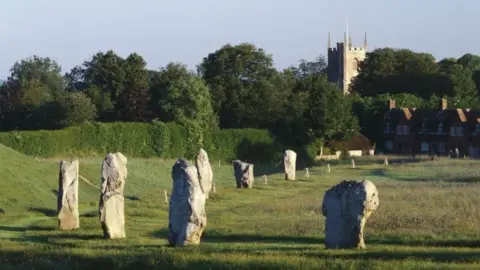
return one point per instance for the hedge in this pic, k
(156, 139)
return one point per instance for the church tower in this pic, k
(343, 61)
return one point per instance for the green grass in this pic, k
(428, 218)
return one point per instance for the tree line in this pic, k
(236, 86)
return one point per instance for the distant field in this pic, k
(428, 218)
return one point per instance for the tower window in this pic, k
(355, 64)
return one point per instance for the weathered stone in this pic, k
(289, 162)
(243, 174)
(347, 207)
(67, 198)
(186, 218)
(205, 173)
(111, 206)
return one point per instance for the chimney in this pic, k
(391, 104)
(443, 104)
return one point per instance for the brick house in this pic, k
(432, 131)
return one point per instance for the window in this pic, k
(387, 128)
(402, 129)
(389, 145)
(441, 147)
(456, 131)
(355, 64)
(424, 127)
(424, 147)
(477, 129)
(440, 128)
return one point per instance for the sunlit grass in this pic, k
(427, 218)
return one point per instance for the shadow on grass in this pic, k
(438, 256)
(465, 243)
(132, 198)
(90, 214)
(23, 229)
(46, 211)
(213, 237)
(215, 259)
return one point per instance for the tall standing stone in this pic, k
(347, 207)
(111, 206)
(205, 173)
(243, 174)
(289, 162)
(186, 217)
(67, 200)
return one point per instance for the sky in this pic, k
(163, 31)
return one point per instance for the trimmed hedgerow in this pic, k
(156, 139)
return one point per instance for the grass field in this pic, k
(428, 218)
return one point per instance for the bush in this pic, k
(156, 139)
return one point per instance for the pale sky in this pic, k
(187, 30)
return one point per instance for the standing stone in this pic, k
(347, 207)
(385, 162)
(186, 217)
(289, 162)
(205, 173)
(111, 206)
(243, 174)
(67, 200)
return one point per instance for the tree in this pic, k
(76, 109)
(461, 86)
(34, 84)
(470, 61)
(37, 80)
(306, 68)
(241, 82)
(330, 114)
(397, 71)
(105, 72)
(160, 82)
(132, 101)
(183, 97)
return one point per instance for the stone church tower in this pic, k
(343, 61)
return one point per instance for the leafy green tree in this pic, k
(330, 113)
(104, 71)
(470, 61)
(241, 79)
(460, 85)
(397, 71)
(306, 68)
(76, 109)
(183, 97)
(132, 101)
(36, 80)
